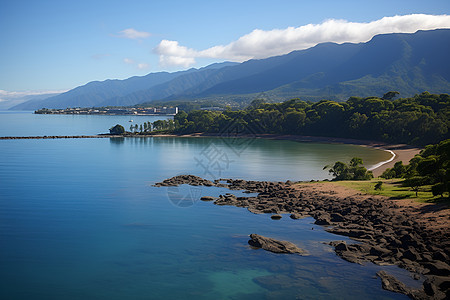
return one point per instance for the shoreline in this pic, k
(383, 231)
(400, 152)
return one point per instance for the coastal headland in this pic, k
(411, 235)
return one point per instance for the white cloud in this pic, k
(139, 65)
(143, 66)
(172, 54)
(132, 33)
(9, 95)
(9, 99)
(263, 44)
(172, 60)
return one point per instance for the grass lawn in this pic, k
(392, 188)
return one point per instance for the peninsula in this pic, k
(139, 111)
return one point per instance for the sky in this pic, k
(52, 45)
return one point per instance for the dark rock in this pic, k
(275, 246)
(185, 179)
(323, 219)
(208, 198)
(350, 256)
(276, 217)
(411, 254)
(431, 289)
(341, 247)
(392, 284)
(336, 217)
(437, 267)
(440, 255)
(297, 216)
(442, 282)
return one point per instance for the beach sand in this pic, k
(402, 153)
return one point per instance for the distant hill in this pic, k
(11, 101)
(96, 92)
(408, 63)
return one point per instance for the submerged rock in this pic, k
(275, 246)
(390, 283)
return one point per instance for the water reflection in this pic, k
(117, 141)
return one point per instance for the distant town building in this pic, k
(111, 111)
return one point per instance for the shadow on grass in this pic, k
(401, 196)
(439, 200)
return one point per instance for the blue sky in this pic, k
(58, 45)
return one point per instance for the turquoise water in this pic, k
(79, 219)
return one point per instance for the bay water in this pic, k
(80, 219)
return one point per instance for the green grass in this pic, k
(393, 189)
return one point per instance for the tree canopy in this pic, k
(430, 167)
(419, 120)
(352, 171)
(118, 129)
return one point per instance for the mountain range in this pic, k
(407, 63)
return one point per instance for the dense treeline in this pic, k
(430, 167)
(420, 120)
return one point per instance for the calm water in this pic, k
(79, 219)
(20, 123)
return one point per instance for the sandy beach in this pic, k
(402, 153)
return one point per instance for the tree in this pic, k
(181, 117)
(390, 95)
(438, 189)
(398, 171)
(415, 183)
(294, 121)
(353, 171)
(118, 129)
(378, 186)
(355, 161)
(339, 170)
(419, 120)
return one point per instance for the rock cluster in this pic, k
(386, 234)
(185, 179)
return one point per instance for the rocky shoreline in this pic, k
(384, 232)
